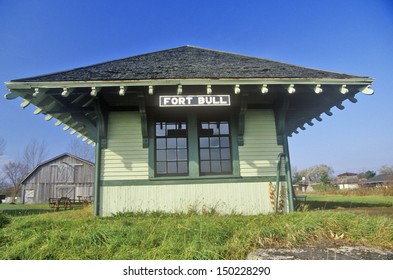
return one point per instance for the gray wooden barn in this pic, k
(63, 176)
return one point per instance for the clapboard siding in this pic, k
(241, 198)
(124, 158)
(258, 156)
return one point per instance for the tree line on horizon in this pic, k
(323, 175)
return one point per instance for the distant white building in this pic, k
(348, 181)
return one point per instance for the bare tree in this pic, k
(386, 170)
(15, 172)
(34, 153)
(317, 173)
(81, 149)
(2, 145)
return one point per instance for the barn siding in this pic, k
(124, 158)
(43, 180)
(258, 156)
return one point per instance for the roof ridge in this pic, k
(136, 67)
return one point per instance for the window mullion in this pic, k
(193, 146)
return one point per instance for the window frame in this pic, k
(168, 148)
(217, 149)
(192, 120)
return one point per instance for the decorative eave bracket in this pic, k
(241, 125)
(144, 127)
(102, 123)
(280, 115)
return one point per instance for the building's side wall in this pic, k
(126, 185)
(258, 156)
(124, 159)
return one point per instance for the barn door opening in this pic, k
(63, 180)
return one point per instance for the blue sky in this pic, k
(355, 37)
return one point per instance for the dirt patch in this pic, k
(318, 253)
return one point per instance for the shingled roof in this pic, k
(74, 97)
(188, 63)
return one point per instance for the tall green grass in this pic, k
(79, 235)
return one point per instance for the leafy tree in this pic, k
(325, 179)
(367, 175)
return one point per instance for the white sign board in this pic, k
(194, 100)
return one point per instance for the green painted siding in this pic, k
(124, 159)
(125, 162)
(226, 198)
(258, 156)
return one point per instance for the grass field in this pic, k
(77, 234)
(376, 205)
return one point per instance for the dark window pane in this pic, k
(215, 154)
(161, 143)
(183, 167)
(171, 155)
(182, 154)
(216, 166)
(171, 126)
(161, 155)
(160, 129)
(224, 128)
(171, 143)
(172, 167)
(225, 153)
(214, 142)
(205, 166)
(214, 126)
(224, 142)
(226, 166)
(182, 142)
(205, 154)
(161, 168)
(204, 142)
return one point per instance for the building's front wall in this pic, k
(127, 186)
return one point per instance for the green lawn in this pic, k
(28, 209)
(368, 200)
(373, 205)
(77, 234)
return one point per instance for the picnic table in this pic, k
(67, 203)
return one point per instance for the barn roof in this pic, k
(52, 160)
(80, 98)
(381, 178)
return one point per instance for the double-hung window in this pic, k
(171, 149)
(214, 148)
(192, 148)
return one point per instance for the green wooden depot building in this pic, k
(189, 128)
